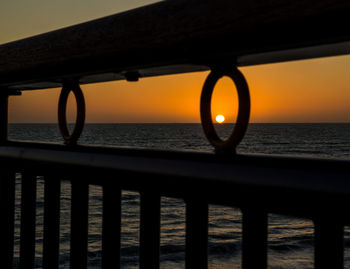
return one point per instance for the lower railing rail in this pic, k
(312, 188)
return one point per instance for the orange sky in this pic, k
(302, 91)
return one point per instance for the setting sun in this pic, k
(220, 118)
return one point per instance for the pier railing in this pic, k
(166, 38)
(310, 188)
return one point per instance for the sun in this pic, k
(220, 118)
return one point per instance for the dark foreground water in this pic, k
(290, 239)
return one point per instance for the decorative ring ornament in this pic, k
(230, 144)
(71, 139)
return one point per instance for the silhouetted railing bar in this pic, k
(329, 243)
(254, 239)
(178, 40)
(4, 116)
(196, 234)
(265, 170)
(111, 227)
(149, 230)
(222, 181)
(79, 225)
(51, 222)
(28, 214)
(7, 203)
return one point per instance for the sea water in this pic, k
(290, 240)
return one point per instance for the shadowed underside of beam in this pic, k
(178, 36)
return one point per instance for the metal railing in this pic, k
(310, 188)
(165, 39)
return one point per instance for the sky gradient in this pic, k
(301, 91)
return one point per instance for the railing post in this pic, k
(7, 204)
(3, 115)
(149, 230)
(7, 191)
(28, 215)
(254, 242)
(51, 222)
(196, 234)
(111, 226)
(79, 225)
(329, 243)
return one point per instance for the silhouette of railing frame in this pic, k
(167, 38)
(177, 36)
(257, 184)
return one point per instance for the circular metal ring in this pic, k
(242, 121)
(71, 139)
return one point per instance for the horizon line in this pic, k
(321, 122)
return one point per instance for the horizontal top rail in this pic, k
(281, 184)
(177, 36)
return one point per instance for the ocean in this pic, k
(290, 240)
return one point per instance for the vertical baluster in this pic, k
(329, 243)
(28, 209)
(79, 225)
(149, 230)
(196, 234)
(3, 115)
(51, 222)
(7, 204)
(111, 227)
(254, 242)
(7, 192)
